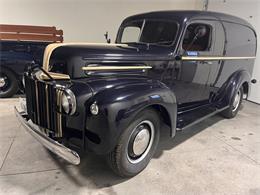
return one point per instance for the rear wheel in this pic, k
(8, 83)
(233, 109)
(137, 145)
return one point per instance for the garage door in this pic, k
(246, 9)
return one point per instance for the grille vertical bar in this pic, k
(59, 115)
(43, 102)
(47, 106)
(37, 102)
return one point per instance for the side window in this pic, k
(197, 37)
(132, 32)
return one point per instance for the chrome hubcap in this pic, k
(2, 82)
(236, 101)
(140, 141)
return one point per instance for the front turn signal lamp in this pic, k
(94, 109)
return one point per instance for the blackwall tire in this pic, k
(233, 109)
(131, 155)
(8, 83)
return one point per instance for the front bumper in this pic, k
(54, 146)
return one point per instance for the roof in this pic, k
(191, 14)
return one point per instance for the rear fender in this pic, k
(231, 86)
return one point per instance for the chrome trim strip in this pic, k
(37, 101)
(100, 68)
(214, 58)
(55, 147)
(59, 116)
(54, 75)
(47, 105)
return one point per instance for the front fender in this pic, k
(118, 107)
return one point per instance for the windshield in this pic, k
(149, 31)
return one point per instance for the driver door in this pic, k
(192, 77)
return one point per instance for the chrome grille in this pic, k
(44, 107)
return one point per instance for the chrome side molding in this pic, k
(215, 58)
(115, 68)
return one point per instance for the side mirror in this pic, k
(200, 31)
(178, 58)
(107, 38)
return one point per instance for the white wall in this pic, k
(249, 10)
(83, 20)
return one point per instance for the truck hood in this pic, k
(130, 52)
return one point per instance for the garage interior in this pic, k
(216, 156)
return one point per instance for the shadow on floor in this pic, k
(168, 143)
(93, 169)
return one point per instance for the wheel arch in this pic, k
(246, 89)
(167, 111)
(165, 116)
(240, 78)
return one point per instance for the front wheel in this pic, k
(137, 145)
(233, 109)
(8, 83)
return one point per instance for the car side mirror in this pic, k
(178, 57)
(200, 31)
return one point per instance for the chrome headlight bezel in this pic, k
(69, 107)
(23, 82)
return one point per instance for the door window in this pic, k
(197, 37)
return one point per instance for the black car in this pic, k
(169, 67)
(15, 57)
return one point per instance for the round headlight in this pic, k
(68, 102)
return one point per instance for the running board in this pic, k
(198, 117)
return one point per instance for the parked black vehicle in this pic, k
(21, 46)
(171, 67)
(15, 57)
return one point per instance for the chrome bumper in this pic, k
(54, 146)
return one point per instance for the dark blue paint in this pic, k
(173, 87)
(17, 55)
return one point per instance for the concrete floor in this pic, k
(218, 156)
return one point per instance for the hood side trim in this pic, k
(100, 68)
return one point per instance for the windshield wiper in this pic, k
(162, 42)
(141, 43)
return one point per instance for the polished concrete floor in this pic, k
(217, 156)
